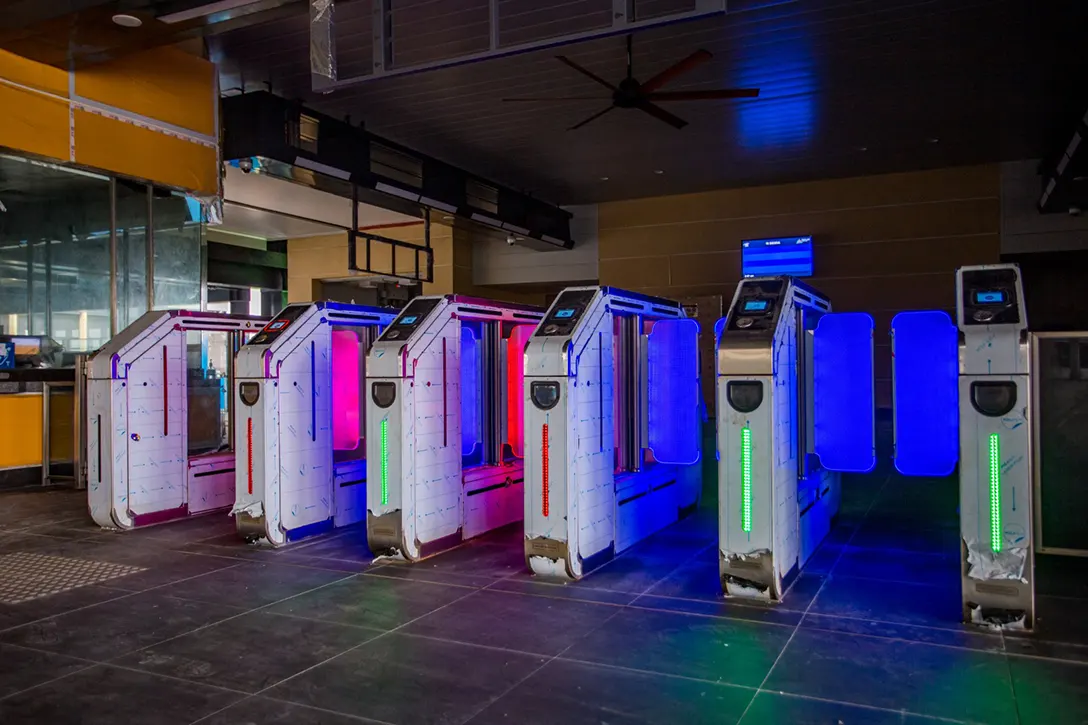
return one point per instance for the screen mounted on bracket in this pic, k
(780, 256)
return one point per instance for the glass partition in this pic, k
(56, 237)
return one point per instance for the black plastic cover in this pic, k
(993, 398)
(249, 392)
(744, 396)
(545, 395)
(383, 393)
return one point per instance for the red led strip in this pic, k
(544, 470)
(249, 450)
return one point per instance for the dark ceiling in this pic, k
(849, 87)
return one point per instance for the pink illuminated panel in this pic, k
(345, 390)
(515, 375)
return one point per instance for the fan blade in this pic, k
(699, 56)
(594, 117)
(662, 115)
(719, 95)
(586, 72)
(554, 98)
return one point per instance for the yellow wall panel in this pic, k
(105, 143)
(33, 123)
(25, 72)
(21, 445)
(166, 84)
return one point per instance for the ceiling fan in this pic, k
(630, 93)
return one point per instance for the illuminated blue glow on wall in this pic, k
(674, 398)
(925, 393)
(843, 400)
(718, 327)
(470, 393)
(784, 115)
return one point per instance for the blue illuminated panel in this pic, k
(990, 297)
(790, 256)
(564, 314)
(842, 362)
(925, 393)
(674, 396)
(470, 391)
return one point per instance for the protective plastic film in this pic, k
(673, 380)
(515, 388)
(345, 390)
(843, 406)
(925, 393)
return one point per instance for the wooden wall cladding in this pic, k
(883, 244)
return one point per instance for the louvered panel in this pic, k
(525, 21)
(646, 9)
(425, 31)
(354, 39)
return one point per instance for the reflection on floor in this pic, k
(182, 624)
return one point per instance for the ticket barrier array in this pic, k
(159, 418)
(962, 395)
(612, 426)
(444, 424)
(301, 421)
(795, 409)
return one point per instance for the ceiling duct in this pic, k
(1065, 177)
(333, 155)
(80, 33)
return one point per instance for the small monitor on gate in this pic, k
(990, 297)
(780, 256)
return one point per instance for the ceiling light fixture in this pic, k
(659, 172)
(127, 21)
(863, 148)
(934, 140)
(604, 178)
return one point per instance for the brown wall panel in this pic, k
(883, 244)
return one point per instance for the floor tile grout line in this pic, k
(232, 617)
(349, 716)
(525, 679)
(362, 644)
(875, 708)
(126, 595)
(797, 627)
(87, 666)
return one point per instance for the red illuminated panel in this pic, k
(249, 452)
(515, 388)
(345, 390)
(545, 504)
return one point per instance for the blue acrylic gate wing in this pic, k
(674, 395)
(843, 405)
(925, 393)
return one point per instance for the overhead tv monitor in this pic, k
(789, 256)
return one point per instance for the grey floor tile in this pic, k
(707, 648)
(21, 668)
(898, 565)
(250, 652)
(577, 590)
(113, 628)
(905, 536)
(105, 695)
(920, 678)
(572, 693)
(13, 615)
(251, 585)
(802, 591)
(348, 546)
(538, 625)
(694, 580)
(375, 602)
(1032, 646)
(410, 680)
(427, 571)
(632, 573)
(1050, 692)
(264, 711)
(732, 608)
(964, 636)
(898, 602)
(771, 708)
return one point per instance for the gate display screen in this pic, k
(782, 256)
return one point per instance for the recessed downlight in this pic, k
(127, 21)
(604, 178)
(659, 172)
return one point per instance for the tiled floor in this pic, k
(202, 628)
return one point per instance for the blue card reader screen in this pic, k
(564, 314)
(990, 297)
(410, 319)
(755, 305)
